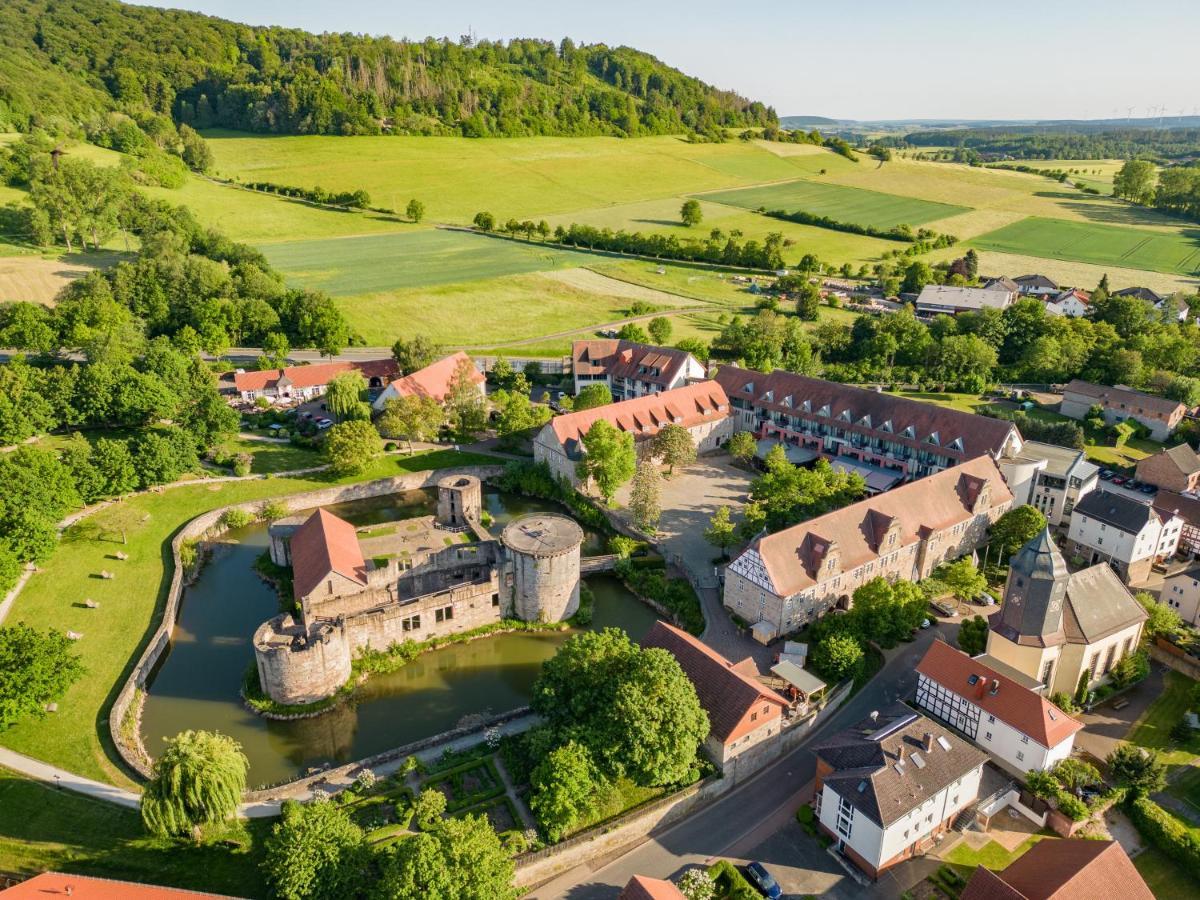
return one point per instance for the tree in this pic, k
(415, 210)
(697, 884)
(485, 221)
(972, 635)
(632, 331)
(674, 446)
(592, 395)
(564, 788)
(315, 852)
(1075, 774)
(411, 418)
(838, 656)
(1015, 529)
(36, 667)
(428, 809)
(10, 569)
(466, 409)
(720, 532)
(275, 350)
(660, 329)
(1135, 181)
(415, 354)
(609, 458)
(516, 414)
(1137, 769)
(1163, 619)
(1042, 784)
(742, 446)
(808, 301)
(916, 276)
(344, 396)
(462, 859)
(351, 446)
(197, 780)
(644, 497)
(196, 153)
(963, 578)
(690, 213)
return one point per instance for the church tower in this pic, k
(1032, 612)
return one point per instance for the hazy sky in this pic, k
(860, 59)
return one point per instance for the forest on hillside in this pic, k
(73, 60)
(1056, 142)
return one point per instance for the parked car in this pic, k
(986, 599)
(1133, 484)
(925, 623)
(943, 607)
(1149, 489)
(1119, 479)
(762, 879)
(1107, 474)
(322, 424)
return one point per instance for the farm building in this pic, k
(435, 380)
(630, 369)
(794, 576)
(302, 383)
(1176, 469)
(702, 408)
(938, 299)
(1119, 403)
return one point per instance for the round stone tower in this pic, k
(544, 552)
(460, 500)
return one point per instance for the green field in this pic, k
(846, 204)
(1131, 248)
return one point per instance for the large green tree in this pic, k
(350, 447)
(197, 780)
(674, 446)
(36, 667)
(344, 396)
(963, 578)
(1015, 529)
(972, 635)
(1135, 181)
(462, 859)
(411, 418)
(609, 457)
(466, 409)
(415, 353)
(315, 852)
(565, 785)
(644, 497)
(592, 395)
(1137, 768)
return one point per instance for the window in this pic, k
(991, 720)
(1020, 755)
(1024, 739)
(445, 614)
(411, 623)
(495, 599)
(753, 717)
(988, 736)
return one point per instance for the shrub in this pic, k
(1166, 832)
(623, 546)
(807, 819)
(732, 884)
(236, 518)
(1130, 670)
(1072, 807)
(242, 464)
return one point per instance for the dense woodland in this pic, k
(1056, 142)
(78, 59)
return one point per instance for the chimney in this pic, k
(928, 742)
(981, 688)
(874, 715)
(900, 754)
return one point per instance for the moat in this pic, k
(197, 684)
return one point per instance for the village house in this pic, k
(1156, 300)
(642, 887)
(702, 408)
(1187, 507)
(1158, 414)
(1072, 303)
(1071, 869)
(784, 580)
(1035, 285)
(889, 787)
(742, 712)
(631, 369)
(1050, 478)
(938, 299)
(1128, 534)
(1056, 625)
(303, 383)
(873, 432)
(47, 885)
(1014, 724)
(1181, 592)
(1176, 469)
(434, 381)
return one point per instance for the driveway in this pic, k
(1105, 727)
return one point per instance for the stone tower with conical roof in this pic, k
(1032, 613)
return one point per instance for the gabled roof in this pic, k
(313, 376)
(323, 545)
(1003, 283)
(997, 695)
(687, 406)
(1072, 869)
(1124, 398)
(1099, 604)
(435, 379)
(641, 887)
(1036, 281)
(870, 412)
(726, 692)
(85, 887)
(1170, 503)
(628, 359)
(1142, 293)
(888, 766)
(1117, 510)
(791, 558)
(997, 297)
(1183, 457)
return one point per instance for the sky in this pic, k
(867, 59)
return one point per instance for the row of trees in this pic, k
(1175, 189)
(718, 248)
(901, 232)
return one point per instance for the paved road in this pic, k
(755, 820)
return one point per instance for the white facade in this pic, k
(1108, 542)
(628, 388)
(1182, 593)
(1070, 306)
(877, 845)
(1001, 740)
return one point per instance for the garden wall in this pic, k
(1172, 657)
(207, 526)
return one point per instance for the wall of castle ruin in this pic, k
(545, 588)
(304, 675)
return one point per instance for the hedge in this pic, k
(1167, 833)
(732, 884)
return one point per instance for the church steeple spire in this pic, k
(1032, 612)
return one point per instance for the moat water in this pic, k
(197, 684)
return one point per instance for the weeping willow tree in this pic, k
(198, 779)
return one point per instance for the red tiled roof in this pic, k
(435, 379)
(688, 406)
(322, 545)
(792, 557)
(641, 887)
(627, 359)
(1024, 710)
(727, 694)
(314, 375)
(1072, 869)
(83, 887)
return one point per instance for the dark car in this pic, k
(944, 608)
(1149, 489)
(1106, 474)
(762, 880)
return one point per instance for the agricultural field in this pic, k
(846, 204)
(1130, 248)
(38, 279)
(1095, 173)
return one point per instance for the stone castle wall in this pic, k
(545, 588)
(304, 675)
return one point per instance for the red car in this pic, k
(1120, 479)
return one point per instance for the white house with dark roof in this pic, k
(1035, 285)
(888, 787)
(1127, 534)
(631, 369)
(1073, 303)
(1015, 725)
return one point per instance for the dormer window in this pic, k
(824, 411)
(769, 397)
(865, 421)
(886, 426)
(933, 439)
(844, 415)
(909, 432)
(806, 406)
(786, 401)
(749, 388)
(957, 444)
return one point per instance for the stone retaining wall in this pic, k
(1172, 657)
(207, 526)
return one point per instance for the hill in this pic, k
(74, 59)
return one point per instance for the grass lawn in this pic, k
(1176, 253)
(77, 736)
(846, 204)
(992, 855)
(44, 829)
(1153, 729)
(270, 457)
(1166, 879)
